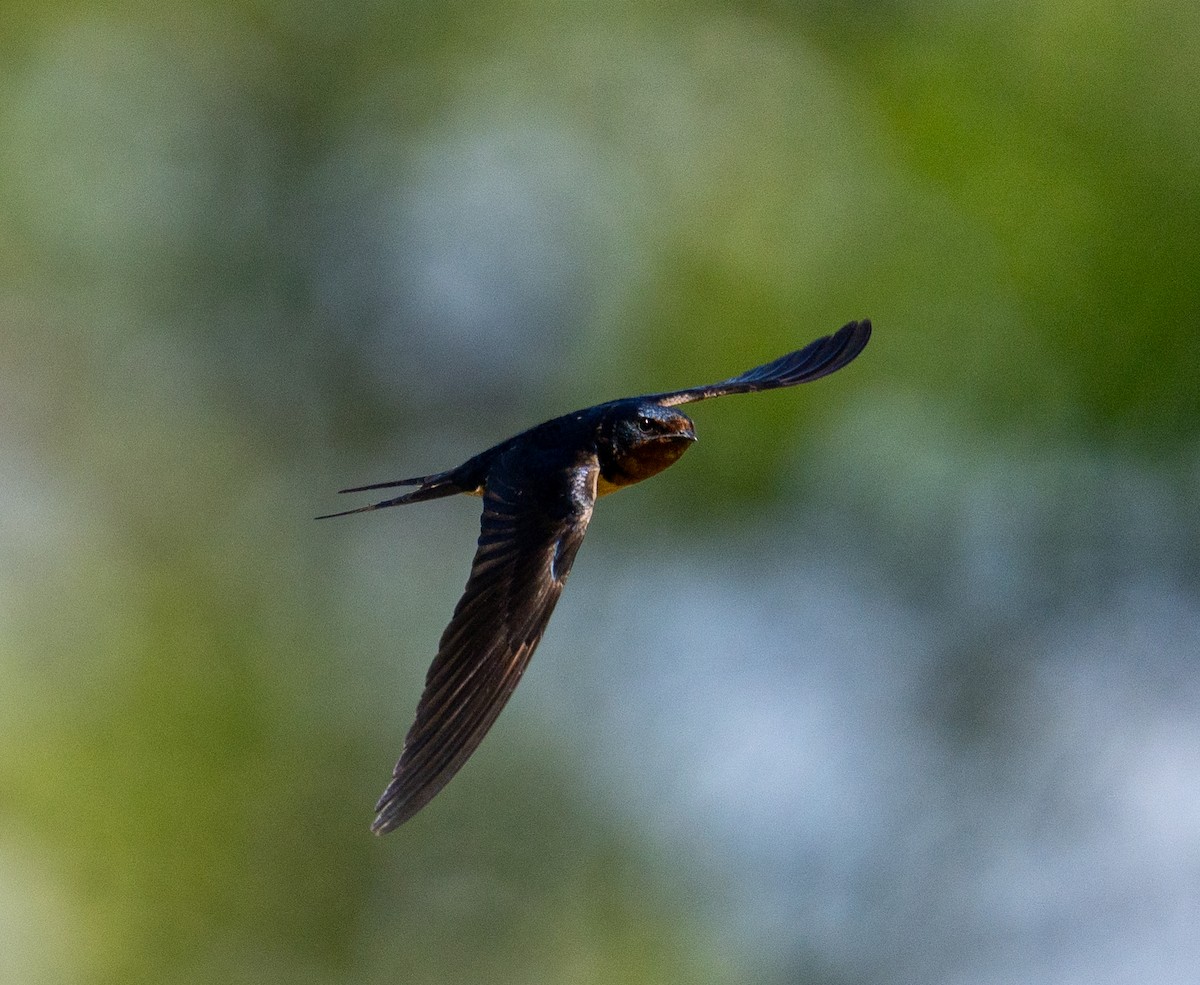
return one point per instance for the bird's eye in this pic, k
(645, 425)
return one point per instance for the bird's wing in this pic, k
(817, 359)
(529, 536)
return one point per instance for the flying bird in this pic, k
(538, 489)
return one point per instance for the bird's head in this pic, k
(646, 438)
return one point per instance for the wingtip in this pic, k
(862, 328)
(832, 352)
(384, 821)
(390, 814)
(380, 827)
(854, 337)
(393, 808)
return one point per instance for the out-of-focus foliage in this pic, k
(891, 679)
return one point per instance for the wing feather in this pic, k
(529, 534)
(819, 358)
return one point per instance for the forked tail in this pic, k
(432, 487)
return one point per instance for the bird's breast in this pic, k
(639, 463)
(605, 486)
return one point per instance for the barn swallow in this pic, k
(538, 489)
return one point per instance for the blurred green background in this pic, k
(892, 679)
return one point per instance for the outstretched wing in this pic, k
(531, 530)
(820, 358)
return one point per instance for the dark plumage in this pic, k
(539, 488)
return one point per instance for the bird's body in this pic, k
(539, 488)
